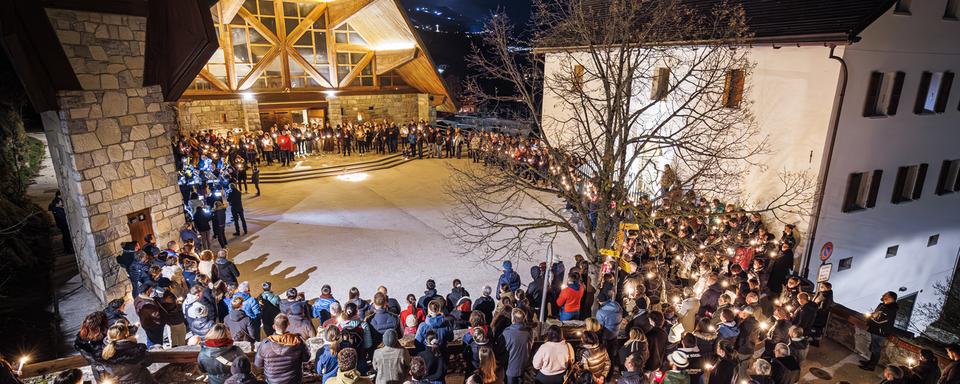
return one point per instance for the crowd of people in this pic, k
(707, 295)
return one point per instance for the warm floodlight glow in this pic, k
(331, 93)
(353, 177)
(394, 46)
(247, 96)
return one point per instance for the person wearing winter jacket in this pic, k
(569, 299)
(880, 326)
(382, 320)
(593, 357)
(553, 358)
(297, 317)
(326, 356)
(393, 306)
(509, 277)
(200, 315)
(517, 342)
(321, 305)
(220, 223)
(281, 356)
(139, 270)
(89, 342)
(455, 294)
(609, 315)
(148, 310)
(485, 303)
(225, 270)
(710, 298)
(269, 307)
(124, 359)
(171, 314)
(240, 326)
(428, 295)
(435, 322)
(633, 371)
(240, 372)
(535, 288)
(217, 354)
(634, 348)
(927, 370)
(390, 361)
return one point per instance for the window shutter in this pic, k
(728, 82)
(738, 87)
(943, 94)
(873, 92)
(921, 176)
(942, 180)
(894, 103)
(922, 92)
(898, 185)
(874, 188)
(853, 187)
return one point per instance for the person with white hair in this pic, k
(785, 368)
(761, 372)
(485, 302)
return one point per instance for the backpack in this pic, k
(352, 337)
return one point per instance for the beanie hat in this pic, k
(266, 286)
(390, 338)
(678, 359)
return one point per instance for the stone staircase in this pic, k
(288, 175)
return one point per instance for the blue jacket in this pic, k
(609, 316)
(383, 320)
(327, 365)
(517, 342)
(726, 331)
(321, 307)
(509, 277)
(250, 305)
(440, 326)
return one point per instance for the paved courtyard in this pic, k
(388, 229)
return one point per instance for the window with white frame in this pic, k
(883, 94)
(934, 92)
(909, 183)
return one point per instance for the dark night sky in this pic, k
(477, 10)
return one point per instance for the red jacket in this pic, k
(285, 142)
(569, 299)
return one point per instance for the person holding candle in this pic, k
(880, 326)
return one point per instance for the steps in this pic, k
(284, 176)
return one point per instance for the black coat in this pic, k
(235, 198)
(881, 322)
(91, 351)
(805, 316)
(208, 362)
(129, 364)
(657, 344)
(201, 220)
(219, 219)
(749, 336)
(226, 271)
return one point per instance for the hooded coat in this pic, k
(391, 361)
(216, 361)
(92, 351)
(200, 316)
(241, 327)
(509, 277)
(454, 297)
(383, 320)
(282, 356)
(226, 271)
(535, 288)
(299, 322)
(440, 326)
(569, 299)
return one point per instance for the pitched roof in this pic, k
(786, 21)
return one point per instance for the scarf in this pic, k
(217, 343)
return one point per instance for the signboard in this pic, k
(826, 251)
(824, 273)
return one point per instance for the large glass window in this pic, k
(346, 62)
(345, 34)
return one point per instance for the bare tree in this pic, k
(646, 105)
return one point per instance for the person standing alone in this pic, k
(235, 199)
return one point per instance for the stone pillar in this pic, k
(110, 144)
(334, 116)
(219, 115)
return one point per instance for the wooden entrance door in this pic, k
(141, 225)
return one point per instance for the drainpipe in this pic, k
(826, 169)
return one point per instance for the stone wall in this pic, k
(110, 144)
(218, 115)
(391, 107)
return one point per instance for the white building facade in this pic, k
(889, 233)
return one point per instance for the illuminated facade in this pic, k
(316, 60)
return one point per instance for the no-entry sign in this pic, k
(826, 251)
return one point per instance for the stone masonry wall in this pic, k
(197, 115)
(113, 152)
(391, 107)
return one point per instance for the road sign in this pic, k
(826, 251)
(824, 273)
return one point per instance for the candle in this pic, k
(23, 360)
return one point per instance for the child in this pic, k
(410, 325)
